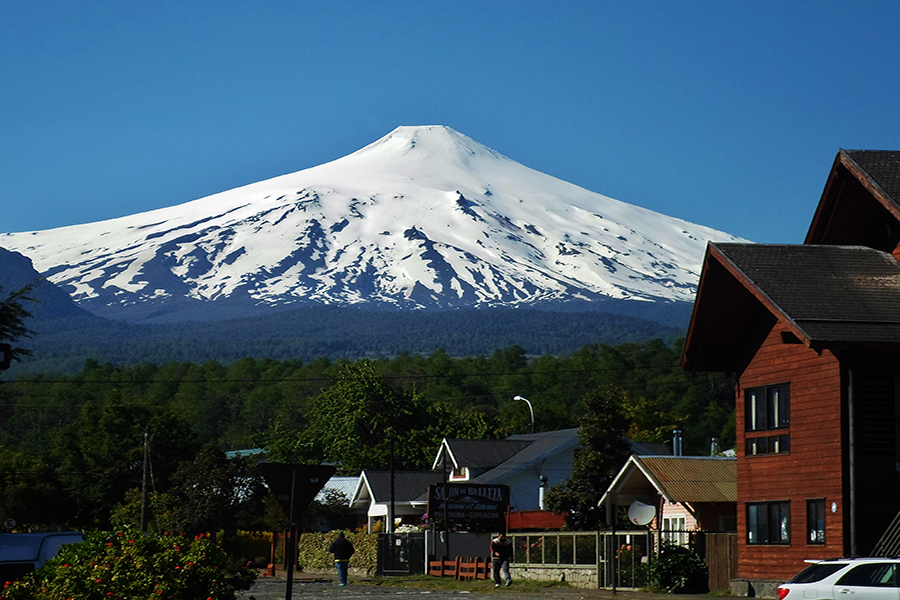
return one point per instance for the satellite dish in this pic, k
(640, 513)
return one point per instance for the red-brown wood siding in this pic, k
(711, 514)
(813, 467)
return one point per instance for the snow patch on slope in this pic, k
(423, 217)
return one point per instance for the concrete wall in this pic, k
(754, 588)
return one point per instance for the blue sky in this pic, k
(726, 114)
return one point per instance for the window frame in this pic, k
(767, 407)
(767, 410)
(768, 520)
(815, 521)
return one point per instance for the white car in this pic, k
(857, 578)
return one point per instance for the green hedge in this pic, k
(313, 554)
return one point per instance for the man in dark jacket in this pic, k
(342, 550)
(501, 554)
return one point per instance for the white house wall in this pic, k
(524, 485)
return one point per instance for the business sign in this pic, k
(469, 506)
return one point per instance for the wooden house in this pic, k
(812, 332)
(689, 493)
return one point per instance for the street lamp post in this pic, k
(530, 410)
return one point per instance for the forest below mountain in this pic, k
(80, 436)
(63, 344)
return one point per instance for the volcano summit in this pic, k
(424, 217)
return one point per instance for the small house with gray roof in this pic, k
(529, 463)
(372, 497)
(812, 332)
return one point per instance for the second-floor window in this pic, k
(766, 410)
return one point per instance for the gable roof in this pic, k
(537, 447)
(685, 479)
(375, 486)
(502, 459)
(861, 201)
(828, 295)
(478, 454)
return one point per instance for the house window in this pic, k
(767, 409)
(675, 530)
(769, 523)
(772, 444)
(815, 521)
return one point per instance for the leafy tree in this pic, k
(332, 513)
(31, 495)
(604, 450)
(361, 418)
(354, 421)
(214, 493)
(12, 320)
(209, 494)
(100, 456)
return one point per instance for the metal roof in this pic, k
(689, 479)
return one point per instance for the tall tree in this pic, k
(12, 320)
(354, 421)
(213, 493)
(604, 450)
(100, 456)
(31, 494)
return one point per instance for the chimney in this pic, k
(676, 442)
(541, 491)
(714, 447)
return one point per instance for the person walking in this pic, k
(342, 549)
(501, 554)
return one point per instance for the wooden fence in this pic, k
(461, 568)
(720, 553)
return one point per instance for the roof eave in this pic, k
(760, 295)
(824, 210)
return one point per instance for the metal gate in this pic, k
(401, 554)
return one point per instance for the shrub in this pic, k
(678, 570)
(131, 565)
(312, 551)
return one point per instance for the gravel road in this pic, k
(312, 587)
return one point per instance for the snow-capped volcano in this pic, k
(423, 217)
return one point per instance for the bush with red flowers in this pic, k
(131, 565)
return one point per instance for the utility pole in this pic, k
(145, 489)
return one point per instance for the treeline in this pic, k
(76, 441)
(62, 345)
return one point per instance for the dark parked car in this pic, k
(22, 553)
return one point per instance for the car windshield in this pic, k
(817, 572)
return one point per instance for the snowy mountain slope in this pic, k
(424, 217)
